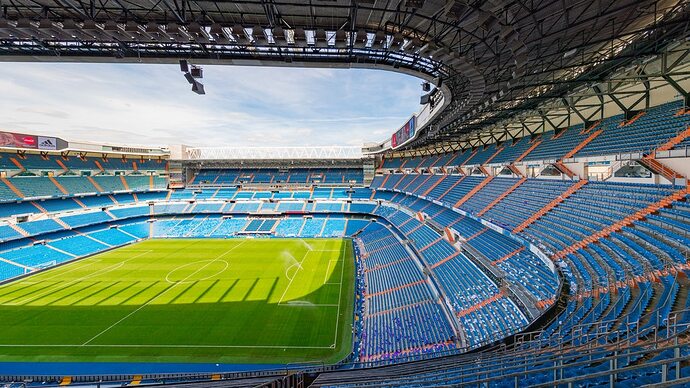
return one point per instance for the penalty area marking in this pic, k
(88, 276)
(159, 294)
(340, 290)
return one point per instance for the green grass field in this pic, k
(230, 301)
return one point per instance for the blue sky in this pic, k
(152, 104)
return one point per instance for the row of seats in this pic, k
(231, 176)
(36, 162)
(400, 316)
(652, 129)
(476, 300)
(231, 193)
(645, 250)
(30, 187)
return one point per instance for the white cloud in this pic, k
(152, 104)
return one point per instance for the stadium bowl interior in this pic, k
(529, 226)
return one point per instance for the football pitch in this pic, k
(200, 300)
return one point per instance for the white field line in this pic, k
(64, 285)
(163, 292)
(293, 276)
(160, 346)
(72, 269)
(167, 277)
(325, 276)
(90, 261)
(340, 291)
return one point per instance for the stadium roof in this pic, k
(493, 59)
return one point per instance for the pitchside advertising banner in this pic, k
(404, 134)
(20, 140)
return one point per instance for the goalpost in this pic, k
(42, 265)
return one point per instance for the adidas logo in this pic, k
(47, 143)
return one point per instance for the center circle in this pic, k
(197, 271)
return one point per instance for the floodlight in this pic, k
(197, 72)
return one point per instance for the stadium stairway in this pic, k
(500, 197)
(58, 185)
(564, 169)
(39, 207)
(474, 152)
(124, 182)
(61, 223)
(19, 230)
(440, 197)
(62, 165)
(508, 255)
(95, 184)
(659, 168)
(18, 164)
(534, 145)
(12, 187)
(447, 259)
(479, 305)
(385, 179)
(474, 190)
(675, 140)
(625, 123)
(427, 191)
(570, 191)
(513, 168)
(582, 144)
(495, 154)
(617, 226)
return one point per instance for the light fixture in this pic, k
(191, 74)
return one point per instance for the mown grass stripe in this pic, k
(230, 314)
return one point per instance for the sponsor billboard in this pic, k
(404, 134)
(17, 140)
(47, 143)
(20, 140)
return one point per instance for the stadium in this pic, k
(529, 225)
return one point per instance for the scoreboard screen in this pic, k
(404, 134)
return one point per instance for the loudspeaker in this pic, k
(184, 66)
(198, 88)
